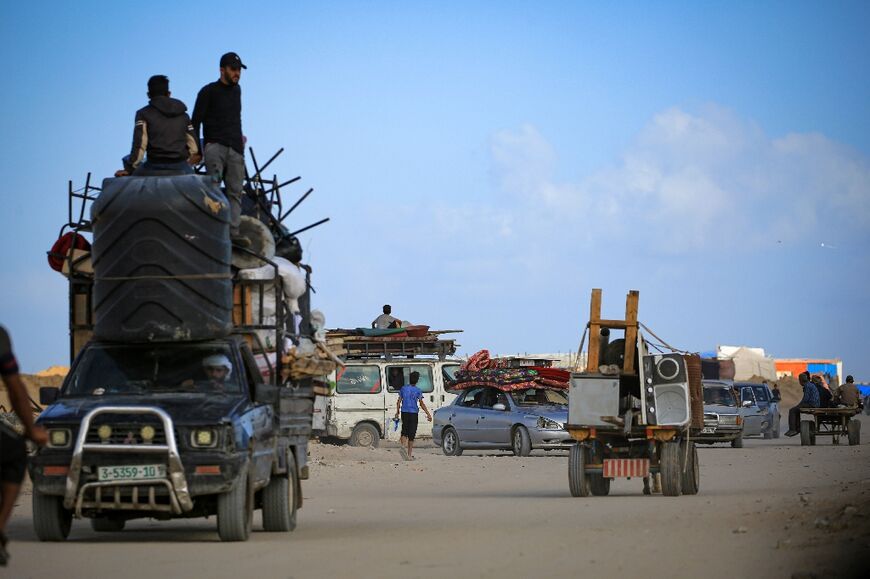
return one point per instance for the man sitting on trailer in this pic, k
(809, 400)
(848, 395)
(164, 132)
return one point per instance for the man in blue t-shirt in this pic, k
(409, 396)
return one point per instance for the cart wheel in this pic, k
(808, 433)
(577, 479)
(854, 429)
(671, 469)
(691, 471)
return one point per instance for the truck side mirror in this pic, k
(265, 393)
(48, 394)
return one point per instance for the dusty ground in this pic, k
(771, 509)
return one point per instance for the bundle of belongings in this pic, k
(501, 373)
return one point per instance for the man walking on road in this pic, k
(409, 396)
(13, 454)
(810, 400)
(218, 109)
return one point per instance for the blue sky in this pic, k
(486, 164)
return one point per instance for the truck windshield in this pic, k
(146, 369)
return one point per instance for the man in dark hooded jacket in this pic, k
(163, 136)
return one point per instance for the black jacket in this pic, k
(218, 109)
(164, 131)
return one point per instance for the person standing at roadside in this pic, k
(409, 397)
(218, 110)
(13, 453)
(810, 400)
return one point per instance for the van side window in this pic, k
(448, 372)
(395, 383)
(358, 380)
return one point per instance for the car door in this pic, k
(493, 425)
(400, 374)
(753, 415)
(259, 420)
(463, 415)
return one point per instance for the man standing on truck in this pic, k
(163, 131)
(385, 320)
(218, 109)
(409, 396)
(13, 454)
(809, 400)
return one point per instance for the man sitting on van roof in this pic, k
(385, 320)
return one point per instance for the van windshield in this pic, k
(146, 369)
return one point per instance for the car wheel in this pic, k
(521, 443)
(691, 470)
(737, 442)
(854, 430)
(107, 525)
(235, 511)
(365, 435)
(450, 443)
(279, 500)
(671, 471)
(776, 427)
(578, 481)
(51, 521)
(808, 433)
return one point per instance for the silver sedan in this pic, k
(487, 418)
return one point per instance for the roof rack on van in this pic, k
(387, 347)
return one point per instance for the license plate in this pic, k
(137, 472)
(708, 430)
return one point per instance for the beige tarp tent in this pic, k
(749, 362)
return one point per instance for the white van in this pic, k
(363, 405)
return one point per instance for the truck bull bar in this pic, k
(176, 484)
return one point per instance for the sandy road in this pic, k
(770, 509)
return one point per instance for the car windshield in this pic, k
(146, 369)
(538, 396)
(721, 396)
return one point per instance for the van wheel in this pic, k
(235, 511)
(365, 435)
(51, 521)
(107, 525)
(522, 444)
(671, 469)
(279, 500)
(450, 443)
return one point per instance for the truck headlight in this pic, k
(204, 438)
(104, 432)
(548, 424)
(59, 437)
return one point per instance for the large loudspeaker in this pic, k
(666, 389)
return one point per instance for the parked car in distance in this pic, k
(722, 418)
(488, 418)
(764, 409)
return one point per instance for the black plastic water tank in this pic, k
(162, 259)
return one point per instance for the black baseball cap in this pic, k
(232, 60)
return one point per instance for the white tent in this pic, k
(749, 362)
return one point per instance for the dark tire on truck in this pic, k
(578, 482)
(280, 500)
(51, 521)
(598, 484)
(235, 511)
(671, 469)
(107, 525)
(691, 469)
(365, 434)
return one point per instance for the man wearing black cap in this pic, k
(219, 110)
(848, 394)
(163, 131)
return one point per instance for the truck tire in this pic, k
(691, 469)
(854, 430)
(450, 445)
(235, 512)
(808, 433)
(737, 442)
(51, 521)
(671, 469)
(599, 485)
(578, 482)
(107, 525)
(521, 444)
(279, 500)
(364, 434)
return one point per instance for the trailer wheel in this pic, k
(671, 471)
(808, 433)
(107, 525)
(521, 442)
(279, 500)
(691, 470)
(235, 512)
(854, 430)
(577, 479)
(598, 484)
(51, 521)
(450, 443)
(365, 434)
